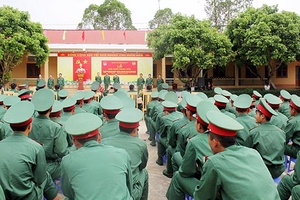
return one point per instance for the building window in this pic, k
(33, 71)
(169, 73)
(282, 71)
(219, 72)
(251, 72)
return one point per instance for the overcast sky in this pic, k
(66, 14)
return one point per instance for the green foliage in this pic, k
(193, 44)
(161, 17)
(18, 38)
(220, 12)
(111, 15)
(264, 37)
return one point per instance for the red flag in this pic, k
(85, 61)
(83, 36)
(124, 34)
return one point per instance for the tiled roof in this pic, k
(96, 37)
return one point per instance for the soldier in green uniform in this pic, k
(290, 183)
(232, 166)
(106, 81)
(47, 132)
(50, 83)
(111, 106)
(284, 108)
(94, 171)
(292, 129)
(221, 102)
(171, 115)
(136, 148)
(267, 139)
(88, 106)
(56, 111)
(79, 96)
(116, 78)
(185, 180)
(2, 196)
(279, 120)
(242, 105)
(98, 78)
(25, 95)
(149, 83)
(2, 109)
(41, 84)
(232, 108)
(140, 83)
(8, 102)
(150, 105)
(159, 82)
(62, 94)
(26, 177)
(60, 81)
(256, 96)
(13, 87)
(38, 79)
(217, 90)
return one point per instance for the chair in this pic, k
(289, 162)
(276, 180)
(188, 197)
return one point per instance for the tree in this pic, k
(18, 38)
(161, 17)
(111, 15)
(263, 37)
(220, 12)
(193, 44)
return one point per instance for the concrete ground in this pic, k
(158, 183)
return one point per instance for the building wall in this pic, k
(53, 67)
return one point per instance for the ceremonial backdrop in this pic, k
(127, 65)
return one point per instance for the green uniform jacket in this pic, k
(173, 134)
(185, 134)
(228, 113)
(98, 79)
(149, 81)
(23, 168)
(90, 108)
(5, 130)
(269, 141)
(61, 83)
(79, 110)
(279, 120)
(140, 82)
(2, 111)
(285, 109)
(96, 171)
(37, 81)
(109, 128)
(159, 83)
(192, 161)
(1, 193)
(99, 108)
(50, 83)
(116, 79)
(244, 176)
(248, 123)
(168, 121)
(106, 80)
(292, 130)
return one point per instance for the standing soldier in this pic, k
(149, 83)
(140, 83)
(39, 79)
(50, 83)
(106, 81)
(116, 78)
(159, 82)
(98, 78)
(61, 81)
(94, 171)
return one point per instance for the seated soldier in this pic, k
(13, 87)
(233, 172)
(27, 176)
(94, 171)
(131, 88)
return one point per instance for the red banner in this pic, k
(122, 67)
(85, 62)
(104, 54)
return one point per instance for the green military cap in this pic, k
(128, 102)
(233, 97)
(129, 117)
(111, 104)
(192, 102)
(95, 85)
(162, 94)
(171, 96)
(11, 100)
(256, 94)
(183, 101)
(226, 94)
(217, 90)
(243, 101)
(211, 99)
(43, 99)
(295, 102)
(154, 94)
(184, 93)
(165, 86)
(22, 86)
(285, 94)
(63, 93)
(220, 100)
(221, 124)
(273, 101)
(83, 125)
(2, 97)
(20, 114)
(120, 94)
(123, 90)
(42, 83)
(264, 108)
(24, 94)
(88, 95)
(202, 95)
(57, 107)
(202, 108)
(69, 103)
(79, 95)
(169, 106)
(117, 85)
